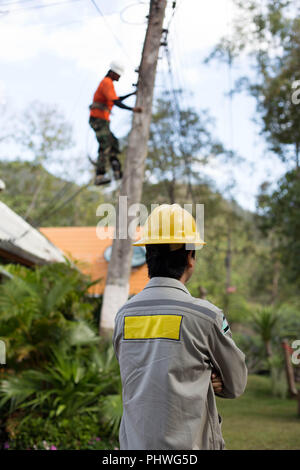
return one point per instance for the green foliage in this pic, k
(259, 421)
(180, 141)
(76, 387)
(239, 310)
(70, 384)
(269, 32)
(43, 131)
(112, 409)
(253, 348)
(77, 432)
(59, 372)
(289, 325)
(38, 308)
(264, 322)
(49, 208)
(279, 213)
(42, 135)
(232, 257)
(279, 386)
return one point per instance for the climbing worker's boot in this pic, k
(116, 167)
(118, 174)
(101, 179)
(92, 161)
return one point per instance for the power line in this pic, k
(38, 221)
(15, 3)
(67, 201)
(127, 8)
(35, 7)
(173, 13)
(171, 41)
(178, 111)
(109, 27)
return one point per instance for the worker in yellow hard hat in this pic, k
(175, 351)
(171, 225)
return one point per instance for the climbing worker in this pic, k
(104, 99)
(175, 351)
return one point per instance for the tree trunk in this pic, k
(276, 277)
(117, 283)
(289, 368)
(228, 261)
(269, 349)
(171, 190)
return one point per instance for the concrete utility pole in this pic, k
(117, 283)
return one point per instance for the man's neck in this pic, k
(184, 278)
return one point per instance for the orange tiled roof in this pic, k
(83, 245)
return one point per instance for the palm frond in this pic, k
(81, 333)
(57, 295)
(111, 412)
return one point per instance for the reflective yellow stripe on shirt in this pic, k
(152, 327)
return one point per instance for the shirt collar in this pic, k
(166, 282)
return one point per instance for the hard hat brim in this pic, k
(145, 241)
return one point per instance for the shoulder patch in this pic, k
(225, 325)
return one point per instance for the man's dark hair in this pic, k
(162, 262)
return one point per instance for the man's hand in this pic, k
(216, 383)
(137, 110)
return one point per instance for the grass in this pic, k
(257, 420)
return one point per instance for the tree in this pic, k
(42, 133)
(179, 146)
(6, 120)
(269, 32)
(279, 112)
(265, 320)
(279, 218)
(54, 204)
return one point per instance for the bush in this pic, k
(253, 348)
(78, 433)
(74, 400)
(279, 386)
(61, 385)
(237, 309)
(37, 309)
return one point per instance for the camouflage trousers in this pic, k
(108, 146)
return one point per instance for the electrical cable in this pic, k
(15, 3)
(229, 64)
(178, 112)
(35, 7)
(38, 221)
(127, 8)
(109, 27)
(41, 219)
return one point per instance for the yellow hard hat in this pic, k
(170, 224)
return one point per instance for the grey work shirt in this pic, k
(167, 344)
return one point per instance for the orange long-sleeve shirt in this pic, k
(105, 94)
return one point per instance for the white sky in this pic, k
(58, 55)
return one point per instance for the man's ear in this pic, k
(190, 259)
